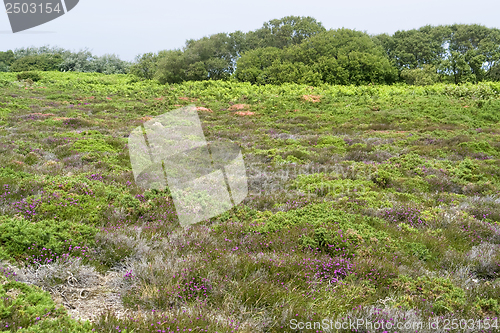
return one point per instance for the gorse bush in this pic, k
(33, 76)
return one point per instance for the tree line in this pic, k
(298, 50)
(47, 58)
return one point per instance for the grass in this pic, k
(371, 202)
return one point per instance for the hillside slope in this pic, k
(370, 202)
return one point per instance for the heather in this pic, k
(373, 201)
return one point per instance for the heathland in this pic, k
(378, 202)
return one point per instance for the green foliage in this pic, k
(42, 62)
(347, 236)
(209, 58)
(479, 146)
(472, 47)
(418, 250)
(315, 214)
(145, 66)
(466, 171)
(47, 58)
(494, 72)
(284, 32)
(33, 76)
(6, 59)
(322, 239)
(415, 48)
(460, 52)
(338, 143)
(336, 57)
(420, 76)
(109, 64)
(445, 296)
(21, 239)
(488, 305)
(251, 65)
(476, 91)
(171, 67)
(390, 179)
(299, 50)
(91, 145)
(78, 62)
(28, 309)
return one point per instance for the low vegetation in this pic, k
(371, 201)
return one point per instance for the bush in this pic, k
(33, 76)
(420, 76)
(42, 62)
(20, 239)
(488, 305)
(33, 310)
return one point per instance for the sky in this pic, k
(128, 28)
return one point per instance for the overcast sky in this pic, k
(128, 28)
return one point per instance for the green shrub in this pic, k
(335, 141)
(28, 309)
(39, 62)
(467, 171)
(418, 250)
(420, 76)
(21, 239)
(440, 292)
(92, 145)
(488, 305)
(33, 76)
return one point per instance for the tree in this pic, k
(457, 68)
(420, 76)
(145, 66)
(208, 58)
(77, 62)
(494, 73)
(31, 51)
(215, 54)
(340, 56)
(42, 62)
(238, 44)
(355, 57)
(252, 65)
(287, 31)
(171, 67)
(414, 48)
(473, 51)
(6, 59)
(331, 71)
(109, 64)
(490, 48)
